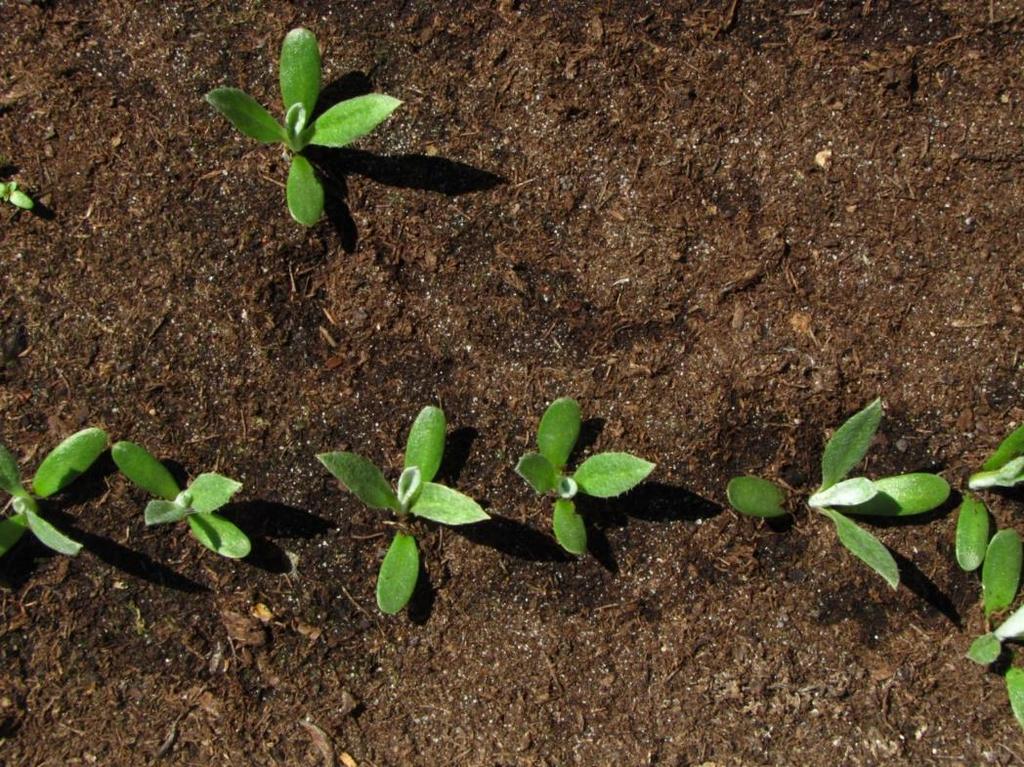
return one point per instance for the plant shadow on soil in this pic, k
(406, 171)
(263, 520)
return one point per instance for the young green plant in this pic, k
(338, 126)
(604, 475)
(1005, 467)
(67, 461)
(197, 504)
(839, 497)
(9, 192)
(416, 495)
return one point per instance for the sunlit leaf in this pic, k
(450, 507)
(865, 547)
(210, 491)
(304, 191)
(849, 444)
(1015, 689)
(398, 574)
(362, 478)
(903, 496)
(348, 120)
(985, 649)
(50, 536)
(219, 535)
(570, 532)
(139, 465)
(538, 471)
(609, 474)
(971, 534)
(68, 460)
(425, 445)
(755, 497)
(246, 114)
(1010, 448)
(558, 431)
(300, 70)
(1000, 573)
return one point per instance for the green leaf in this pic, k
(985, 649)
(398, 574)
(1007, 475)
(425, 446)
(211, 491)
(755, 497)
(447, 506)
(69, 460)
(139, 465)
(538, 471)
(849, 444)
(570, 532)
(10, 477)
(21, 200)
(362, 478)
(164, 512)
(246, 114)
(11, 530)
(305, 192)
(345, 122)
(558, 431)
(1015, 689)
(409, 486)
(1010, 448)
(609, 474)
(903, 496)
(50, 536)
(1012, 627)
(219, 535)
(300, 70)
(1000, 573)
(971, 534)
(865, 547)
(849, 492)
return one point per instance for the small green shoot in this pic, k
(9, 192)
(60, 468)
(340, 125)
(197, 504)
(415, 495)
(840, 497)
(971, 534)
(604, 475)
(1005, 467)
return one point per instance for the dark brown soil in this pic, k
(722, 226)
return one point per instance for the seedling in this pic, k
(604, 475)
(9, 192)
(1005, 467)
(417, 496)
(197, 503)
(59, 469)
(899, 496)
(1001, 561)
(340, 125)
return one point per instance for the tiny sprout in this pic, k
(899, 496)
(9, 192)
(417, 496)
(60, 468)
(340, 125)
(197, 504)
(604, 475)
(1005, 467)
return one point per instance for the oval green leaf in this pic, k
(1015, 689)
(755, 497)
(538, 471)
(398, 574)
(10, 477)
(219, 535)
(425, 446)
(139, 465)
(162, 512)
(1000, 573)
(11, 530)
(362, 479)
(609, 474)
(346, 121)
(305, 192)
(971, 534)
(69, 460)
(865, 547)
(210, 491)
(447, 506)
(300, 70)
(50, 536)
(558, 431)
(903, 496)
(985, 649)
(246, 114)
(1010, 448)
(849, 444)
(567, 524)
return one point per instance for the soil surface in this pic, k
(723, 226)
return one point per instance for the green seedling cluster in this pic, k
(197, 504)
(1000, 559)
(338, 126)
(9, 192)
(604, 475)
(59, 468)
(840, 497)
(415, 495)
